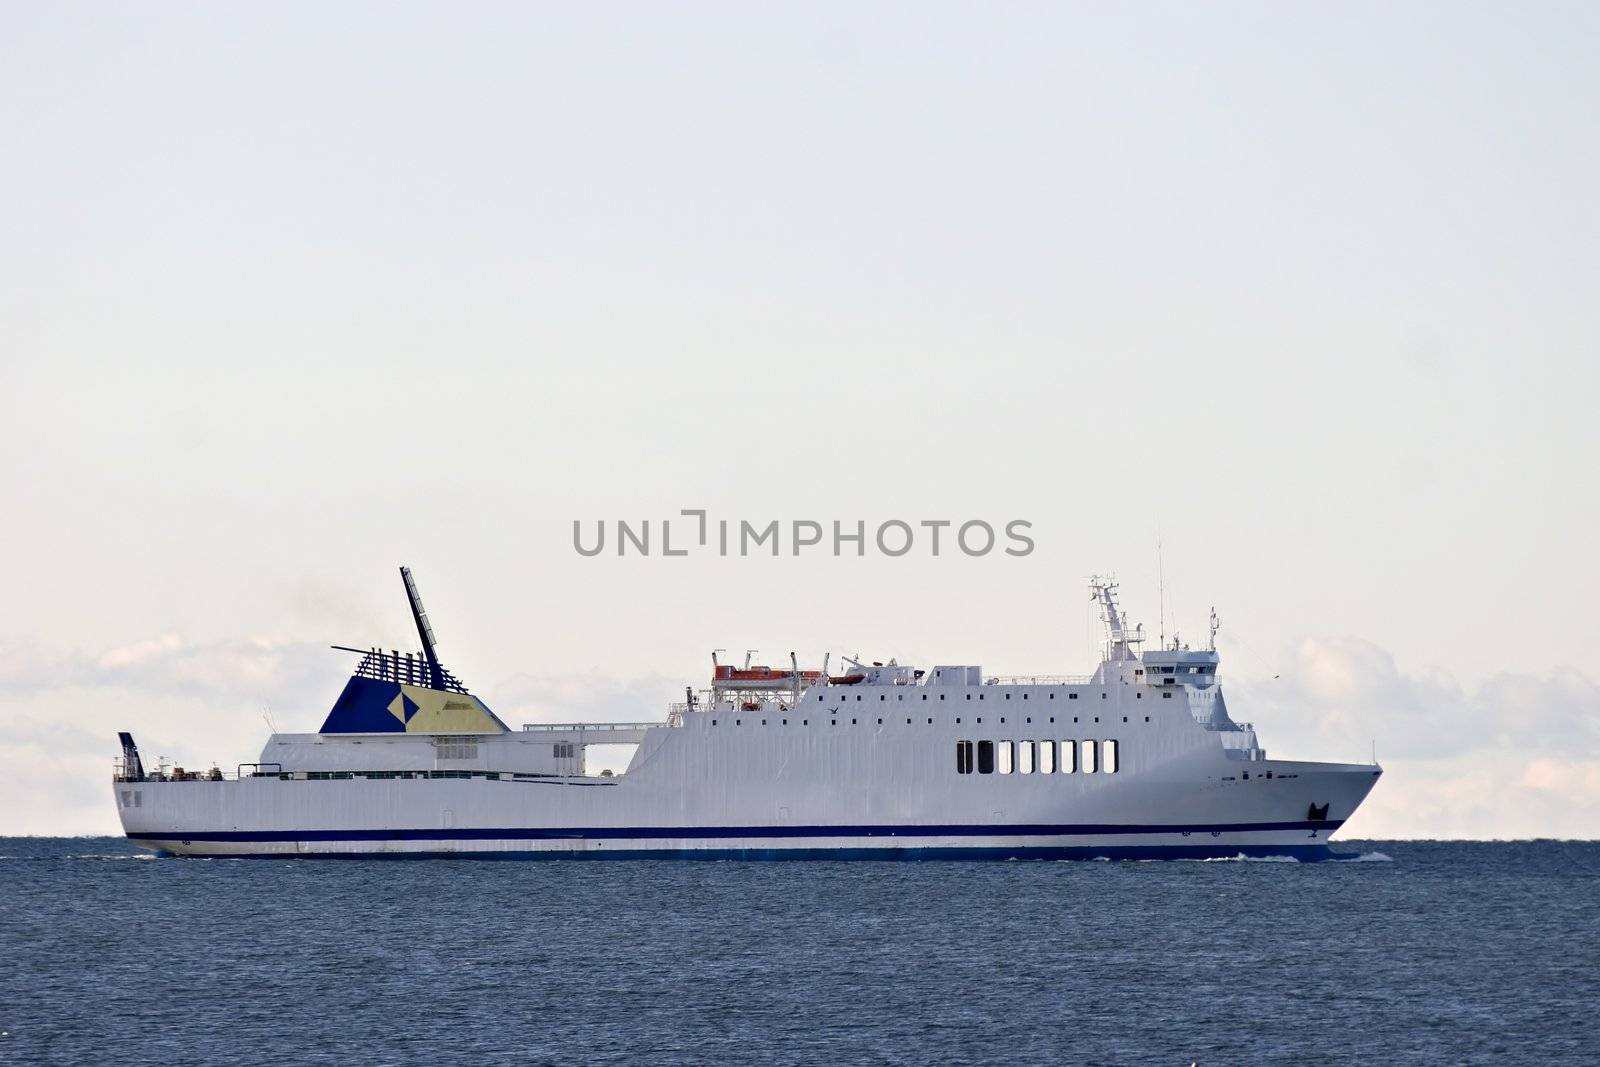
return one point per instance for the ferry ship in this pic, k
(883, 761)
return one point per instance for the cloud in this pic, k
(1516, 756)
(168, 664)
(194, 703)
(584, 697)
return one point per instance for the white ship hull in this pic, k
(1139, 761)
(901, 799)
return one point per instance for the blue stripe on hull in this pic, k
(647, 833)
(1306, 853)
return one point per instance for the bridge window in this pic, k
(1110, 757)
(963, 757)
(1008, 757)
(985, 757)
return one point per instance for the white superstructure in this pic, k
(883, 761)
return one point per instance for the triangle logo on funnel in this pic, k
(402, 707)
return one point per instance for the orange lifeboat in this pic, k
(727, 677)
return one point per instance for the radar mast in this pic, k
(1118, 641)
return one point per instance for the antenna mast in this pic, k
(419, 615)
(1161, 590)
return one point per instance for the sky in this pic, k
(292, 294)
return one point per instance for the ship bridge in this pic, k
(1180, 666)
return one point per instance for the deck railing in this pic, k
(1039, 679)
(591, 727)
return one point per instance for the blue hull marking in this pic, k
(1306, 853)
(646, 833)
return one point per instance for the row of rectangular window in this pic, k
(1038, 757)
(835, 722)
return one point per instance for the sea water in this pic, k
(1418, 953)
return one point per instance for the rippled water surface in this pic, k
(1427, 953)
